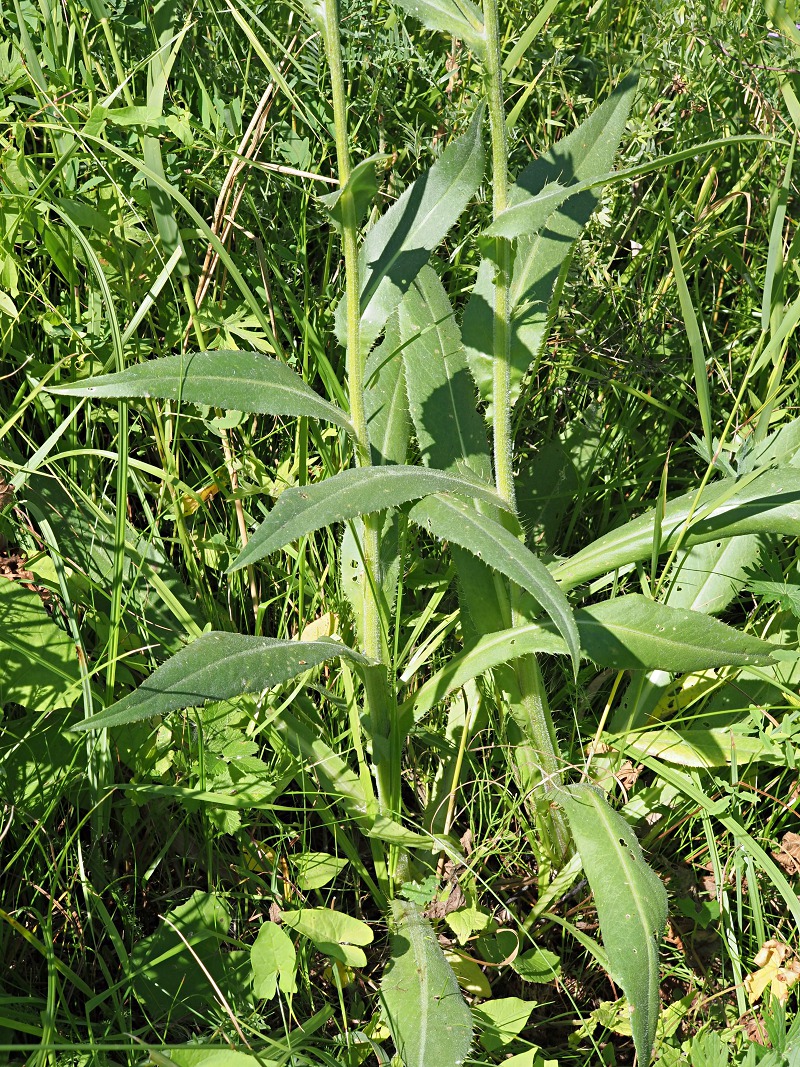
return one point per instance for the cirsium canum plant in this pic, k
(413, 373)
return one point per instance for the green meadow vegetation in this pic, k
(399, 517)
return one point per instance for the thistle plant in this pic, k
(413, 372)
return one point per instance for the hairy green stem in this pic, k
(533, 711)
(501, 367)
(378, 695)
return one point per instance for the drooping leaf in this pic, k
(38, 661)
(456, 18)
(450, 432)
(766, 503)
(430, 1024)
(450, 520)
(632, 632)
(631, 904)
(235, 381)
(584, 155)
(362, 185)
(274, 962)
(627, 633)
(399, 244)
(219, 666)
(358, 491)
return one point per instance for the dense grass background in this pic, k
(609, 413)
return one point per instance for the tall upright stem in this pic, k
(501, 373)
(532, 712)
(383, 722)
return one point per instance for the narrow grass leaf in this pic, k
(631, 904)
(399, 244)
(695, 339)
(219, 666)
(358, 491)
(235, 381)
(456, 18)
(453, 521)
(768, 503)
(430, 1024)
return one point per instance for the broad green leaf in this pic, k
(236, 381)
(317, 869)
(274, 962)
(399, 244)
(627, 633)
(362, 185)
(219, 666)
(450, 520)
(766, 503)
(632, 632)
(385, 400)
(499, 1021)
(169, 980)
(470, 977)
(708, 576)
(334, 933)
(430, 1024)
(450, 432)
(38, 661)
(538, 965)
(706, 748)
(41, 761)
(358, 491)
(631, 904)
(584, 155)
(456, 18)
(205, 1056)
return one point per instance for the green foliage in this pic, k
(423, 1006)
(400, 739)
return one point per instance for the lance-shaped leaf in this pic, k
(767, 503)
(545, 241)
(358, 491)
(219, 666)
(235, 381)
(626, 633)
(451, 520)
(441, 392)
(631, 904)
(399, 244)
(430, 1024)
(456, 18)
(385, 400)
(632, 632)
